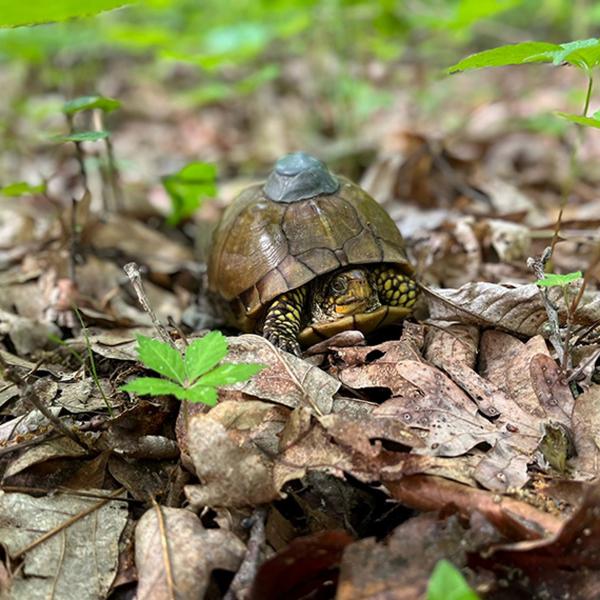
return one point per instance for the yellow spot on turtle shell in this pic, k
(412, 294)
(402, 299)
(387, 285)
(396, 295)
(403, 288)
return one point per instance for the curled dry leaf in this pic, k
(514, 518)
(306, 568)
(57, 448)
(177, 558)
(134, 239)
(586, 431)
(231, 475)
(576, 544)
(514, 309)
(510, 241)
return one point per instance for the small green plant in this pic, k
(193, 376)
(583, 54)
(188, 188)
(553, 280)
(447, 583)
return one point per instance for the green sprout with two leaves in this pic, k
(193, 375)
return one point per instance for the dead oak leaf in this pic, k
(286, 380)
(516, 309)
(231, 475)
(193, 553)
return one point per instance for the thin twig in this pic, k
(133, 272)
(79, 154)
(28, 395)
(164, 542)
(249, 567)
(537, 265)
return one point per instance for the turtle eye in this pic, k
(339, 286)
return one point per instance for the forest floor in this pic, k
(471, 432)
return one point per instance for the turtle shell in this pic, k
(263, 247)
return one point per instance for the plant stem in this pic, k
(588, 95)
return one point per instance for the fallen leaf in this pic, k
(79, 562)
(183, 568)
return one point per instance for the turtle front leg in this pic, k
(283, 320)
(394, 287)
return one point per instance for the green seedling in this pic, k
(193, 376)
(447, 583)
(583, 54)
(554, 280)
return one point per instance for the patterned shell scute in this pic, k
(264, 248)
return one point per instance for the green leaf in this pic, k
(586, 121)
(188, 187)
(90, 102)
(228, 373)
(580, 53)
(154, 386)
(81, 136)
(205, 353)
(552, 279)
(22, 188)
(447, 583)
(161, 357)
(584, 54)
(206, 395)
(14, 13)
(512, 54)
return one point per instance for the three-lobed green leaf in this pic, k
(193, 377)
(447, 583)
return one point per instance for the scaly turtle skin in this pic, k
(309, 254)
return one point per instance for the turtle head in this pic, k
(348, 292)
(299, 176)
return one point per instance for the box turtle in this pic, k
(308, 254)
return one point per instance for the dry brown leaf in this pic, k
(586, 431)
(399, 567)
(231, 475)
(357, 433)
(455, 343)
(182, 569)
(287, 380)
(513, 309)
(448, 419)
(516, 519)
